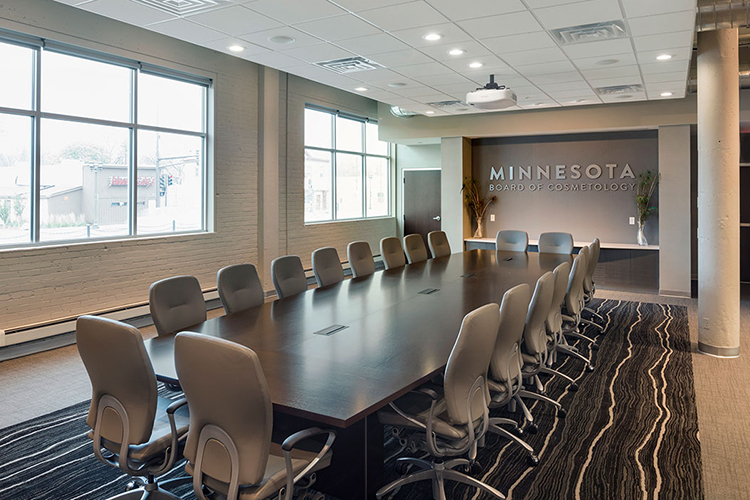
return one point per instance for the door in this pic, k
(421, 202)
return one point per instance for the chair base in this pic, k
(149, 490)
(495, 428)
(438, 473)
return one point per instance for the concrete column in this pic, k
(718, 194)
(456, 164)
(268, 171)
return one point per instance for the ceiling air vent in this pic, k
(450, 106)
(619, 89)
(349, 65)
(400, 112)
(182, 7)
(595, 32)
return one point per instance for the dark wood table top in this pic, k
(396, 337)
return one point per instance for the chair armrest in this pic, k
(288, 445)
(171, 409)
(171, 457)
(426, 391)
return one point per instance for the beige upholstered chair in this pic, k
(327, 266)
(176, 303)
(561, 243)
(392, 253)
(229, 448)
(131, 426)
(573, 306)
(554, 322)
(589, 286)
(414, 248)
(239, 287)
(451, 425)
(512, 241)
(360, 259)
(438, 242)
(288, 276)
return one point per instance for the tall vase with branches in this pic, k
(476, 203)
(645, 190)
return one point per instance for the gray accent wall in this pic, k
(588, 211)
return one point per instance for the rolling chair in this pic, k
(229, 448)
(392, 253)
(438, 242)
(327, 266)
(239, 287)
(288, 276)
(451, 425)
(572, 307)
(415, 249)
(561, 243)
(176, 303)
(132, 428)
(589, 285)
(505, 379)
(360, 259)
(512, 241)
(554, 323)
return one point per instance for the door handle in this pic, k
(436, 218)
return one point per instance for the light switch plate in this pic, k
(492, 217)
(632, 221)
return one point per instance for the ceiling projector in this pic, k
(492, 96)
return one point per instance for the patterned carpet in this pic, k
(631, 430)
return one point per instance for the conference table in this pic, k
(334, 356)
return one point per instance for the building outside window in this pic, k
(95, 147)
(347, 169)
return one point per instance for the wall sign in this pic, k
(559, 178)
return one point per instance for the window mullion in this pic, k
(36, 194)
(334, 207)
(363, 167)
(133, 193)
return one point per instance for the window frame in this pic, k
(35, 113)
(333, 151)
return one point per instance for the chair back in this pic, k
(505, 363)
(438, 242)
(535, 330)
(288, 276)
(415, 249)
(176, 303)
(231, 415)
(469, 360)
(392, 253)
(239, 287)
(561, 243)
(119, 367)
(327, 266)
(360, 259)
(574, 294)
(512, 241)
(554, 318)
(588, 281)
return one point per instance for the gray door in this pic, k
(421, 202)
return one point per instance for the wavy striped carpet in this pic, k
(631, 430)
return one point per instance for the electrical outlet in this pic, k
(632, 221)
(492, 217)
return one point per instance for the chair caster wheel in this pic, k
(475, 469)
(533, 460)
(518, 431)
(573, 387)
(131, 485)
(590, 368)
(562, 413)
(595, 347)
(532, 428)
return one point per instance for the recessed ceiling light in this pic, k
(606, 62)
(361, 89)
(476, 65)
(576, 101)
(664, 57)
(281, 39)
(462, 109)
(236, 48)
(456, 52)
(429, 112)
(666, 94)
(397, 84)
(431, 37)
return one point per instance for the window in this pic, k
(97, 147)
(347, 169)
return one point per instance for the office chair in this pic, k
(360, 259)
(327, 266)
(505, 379)
(589, 285)
(572, 307)
(534, 348)
(132, 428)
(451, 425)
(438, 242)
(554, 323)
(229, 449)
(561, 243)
(392, 253)
(512, 241)
(288, 276)
(239, 287)
(414, 248)
(176, 303)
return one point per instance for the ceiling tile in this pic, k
(404, 16)
(537, 56)
(317, 53)
(489, 62)
(457, 87)
(250, 48)
(468, 9)
(471, 48)
(301, 39)
(294, 11)
(575, 14)
(665, 66)
(275, 60)
(236, 20)
(640, 8)
(570, 76)
(447, 79)
(372, 44)
(517, 43)
(580, 87)
(540, 4)
(662, 23)
(378, 76)
(611, 82)
(603, 49)
(381, 95)
(596, 62)
(585, 93)
(650, 56)
(338, 28)
(677, 88)
(400, 58)
(579, 101)
(127, 11)
(408, 83)
(420, 91)
(665, 77)
(679, 39)
(421, 70)
(435, 97)
(449, 32)
(546, 69)
(620, 99)
(612, 71)
(505, 25)
(185, 30)
(359, 5)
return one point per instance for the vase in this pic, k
(642, 241)
(479, 233)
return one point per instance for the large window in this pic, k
(93, 146)
(346, 168)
